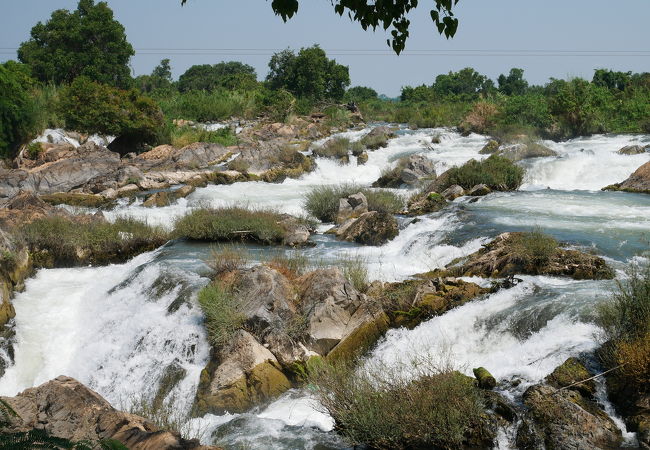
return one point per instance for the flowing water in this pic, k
(122, 329)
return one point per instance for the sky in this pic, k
(551, 38)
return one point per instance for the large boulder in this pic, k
(453, 192)
(240, 375)
(633, 150)
(572, 375)
(351, 207)
(425, 203)
(371, 228)
(565, 419)
(410, 170)
(65, 408)
(524, 150)
(639, 181)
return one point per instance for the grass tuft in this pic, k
(322, 202)
(222, 317)
(496, 172)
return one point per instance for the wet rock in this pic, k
(567, 420)
(296, 232)
(639, 181)
(453, 192)
(351, 207)
(479, 190)
(67, 409)
(436, 139)
(371, 228)
(425, 204)
(506, 255)
(76, 199)
(572, 371)
(519, 151)
(377, 138)
(491, 147)
(158, 199)
(410, 170)
(242, 374)
(485, 378)
(633, 150)
(362, 158)
(184, 191)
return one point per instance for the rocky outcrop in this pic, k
(425, 203)
(453, 192)
(166, 198)
(639, 181)
(15, 267)
(286, 323)
(66, 409)
(517, 151)
(565, 419)
(409, 171)
(634, 150)
(370, 228)
(571, 375)
(509, 255)
(351, 207)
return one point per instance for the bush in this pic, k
(625, 320)
(535, 248)
(18, 112)
(322, 202)
(205, 106)
(182, 136)
(497, 172)
(90, 107)
(226, 259)
(333, 148)
(481, 118)
(381, 408)
(57, 241)
(230, 224)
(222, 318)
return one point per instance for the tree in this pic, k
(227, 75)
(514, 83)
(87, 41)
(466, 84)
(611, 79)
(160, 78)
(91, 107)
(578, 105)
(309, 74)
(387, 14)
(16, 107)
(360, 94)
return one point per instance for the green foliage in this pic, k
(182, 136)
(355, 271)
(276, 104)
(466, 84)
(39, 439)
(359, 94)
(322, 202)
(611, 79)
(333, 148)
(222, 317)
(159, 80)
(526, 110)
(308, 74)
(206, 106)
(57, 241)
(18, 113)
(535, 248)
(227, 259)
(514, 83)
(382, 408)
(496, 172)
(92, 107)
(230, 224)
(86, 42)
(224, 75)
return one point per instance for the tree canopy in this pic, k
(206, 77)
(308, 74)
(16, 107)
(514, 83)
(388, 14)
(87, 41)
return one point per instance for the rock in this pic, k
(503, 257)
(453, 192)
(128, 190)
(76, 199)
(566, 420)
(184, 191)
(241, 375)
(491, 147)
(109, 194)
(633, 150)
(362, 158)
(158, 199)
(570, 372)
(296, 232)
(353, 206)
(519, 151)
(425, 204)
(436, 139)
(66, 409)
(409, 170)
(639, 181)
(371, 228)
(378, 137)
(479, 190)
(485, 378)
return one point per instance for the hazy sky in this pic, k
(571, 28)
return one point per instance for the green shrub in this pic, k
(57, 241)
(322, 202)
(240, 165)
(205, 106)
(182, 136)
(230, 224)
(91, 107)
(333, 148)
(222, 318)
(497, 172)
(625, 320)
(17, 109)
(535, 248)
(381, 408)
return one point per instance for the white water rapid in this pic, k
(121, 329)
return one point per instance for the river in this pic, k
(119, 329)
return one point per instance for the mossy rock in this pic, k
(570, 372)
(360, 339)
(7, 311)
(425, 204)
(77, 199)
(491, 147)
(159, 199)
